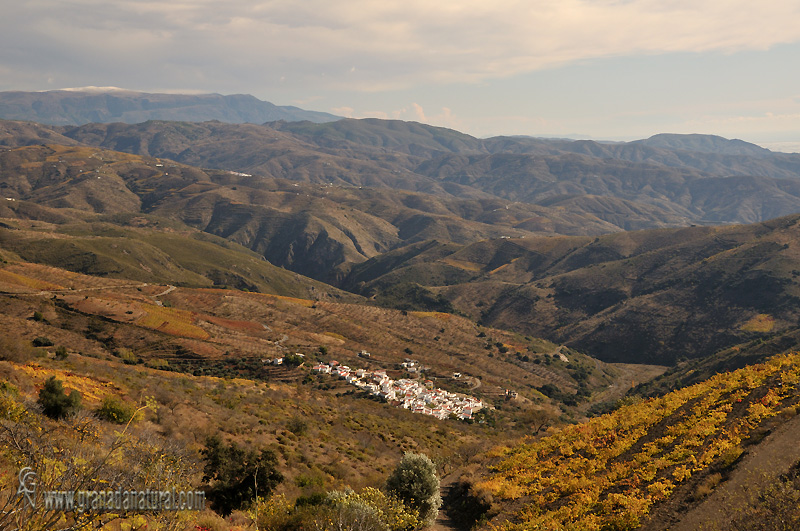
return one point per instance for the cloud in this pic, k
(367, 45)
(782, 122)
(413, 112)
(785, 147)
(347, 112)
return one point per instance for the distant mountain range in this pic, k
(701, 179)
(109, 104)
(663, 181)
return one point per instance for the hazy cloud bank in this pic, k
(365, 45)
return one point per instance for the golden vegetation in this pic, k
(339, 337)
(91, 389)
(81, 452)
(8, 277)
(171, 321)
(609, 472)
(323, 441)
(324, 435)
(463, 264)
(760, 323)
(437, 315)
(302, 302)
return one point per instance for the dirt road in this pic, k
(443, 522)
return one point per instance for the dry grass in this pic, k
(212, 324)
(708, 485)
(233, 324)
(92, 390)
(8, 277)
(762, 323)
(171, 321)
(463, 264)
(438, 315)
(302, 302)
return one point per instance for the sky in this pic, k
(602, 69)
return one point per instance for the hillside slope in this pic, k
(315, 230)
(649, 296)
(618, 470)
(633, 296)
(197, 362)
(234, 333)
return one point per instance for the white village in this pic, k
(415, 395)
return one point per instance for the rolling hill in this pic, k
(659, 182)
(316, 230)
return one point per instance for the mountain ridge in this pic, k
(673, 184)
(109, 104)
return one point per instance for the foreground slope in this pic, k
(227, 332)
(616, 471)
(200, 360)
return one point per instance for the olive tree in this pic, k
(415, 482)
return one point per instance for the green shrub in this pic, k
(297, 425)
(293, 360)
(115, 410)
(272, 513)
(368, 510)
(55, 403)
(127, 356)
(61, 352)
(162, 365)
(42, 341)
(317, 498)
(729, 458)
(237, 476)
